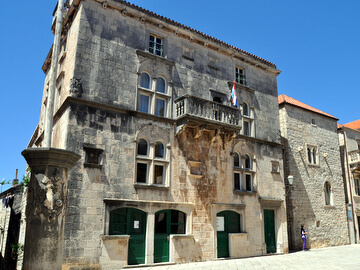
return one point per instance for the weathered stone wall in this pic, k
(326, 224)
(107, 53)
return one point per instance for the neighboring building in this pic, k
(10, 215)
(349, 137)
(312, 157)
(170, 170)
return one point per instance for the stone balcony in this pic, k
(197, 112)
(354, 160)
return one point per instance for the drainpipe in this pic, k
(48, 126)
(348, 171)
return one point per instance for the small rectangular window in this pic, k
(156, 45)
(247, 130)
(240, 76)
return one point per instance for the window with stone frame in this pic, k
(312, 155)
(156, 45)
(243, 172)
(247, 119)
(357, 186)
(240, 75)
(93, 157)
(327, 192)
(151, 163)
(153, 95)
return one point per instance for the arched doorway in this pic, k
(130, 221)
(227, 222)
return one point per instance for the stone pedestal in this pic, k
(45, 212)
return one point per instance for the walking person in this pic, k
(303, 235)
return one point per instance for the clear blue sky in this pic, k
(316, 45)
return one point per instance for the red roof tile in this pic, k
(170, 21)
(284, 99)
(353, 125)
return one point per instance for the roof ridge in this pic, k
(264, 61)
(297, 103)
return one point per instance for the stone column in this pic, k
(46, 206)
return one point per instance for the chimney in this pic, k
(15, 181)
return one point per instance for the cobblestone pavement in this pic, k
(343, 257)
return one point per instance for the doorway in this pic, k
(269, 230)
(167, 222)
(130, 221)
(226, 222)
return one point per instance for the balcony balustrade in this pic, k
(354, 158)
(202, 110)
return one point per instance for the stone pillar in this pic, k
(46, 206)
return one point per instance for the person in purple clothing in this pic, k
(303, 235)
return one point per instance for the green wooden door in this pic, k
(269, 229)
(132, 222)
(227, 222)
(166, 222)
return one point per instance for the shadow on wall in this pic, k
(299, 209)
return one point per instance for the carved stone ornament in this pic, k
(49, 197)
(75, 87)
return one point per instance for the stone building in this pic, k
(312, 157)
(170, 171)
(349, 138)
(10, 216)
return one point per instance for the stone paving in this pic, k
(341, 257)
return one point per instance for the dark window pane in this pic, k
(160, 85)
(237, 181)
(159, 174)
(142, 147)
(145, 81)
(248, 182)
(160, 223)
(159, 150)
(177, 228)
(309, 155)
(144, 103)
(246, 128)
(236, 160)
(247, 162)
(160, 107)
(141, 173)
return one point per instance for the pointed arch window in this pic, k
(248, 120)
(243, 173)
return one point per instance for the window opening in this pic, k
(240, 76)
(156, 45)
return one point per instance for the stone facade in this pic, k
(194, 180)
(10, 215)
(349, 138)
(312, 158)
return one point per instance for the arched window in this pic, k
(237, 163)
(327, 190)
(161, 85)
(145, 80)
(142, 147)
(246, 109)
(159, 150)
(247, 162)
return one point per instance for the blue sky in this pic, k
(314, 43)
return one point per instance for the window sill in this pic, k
(239, 86)
(91, 165)
(197, 176)
(329, 207)
(275, 172)
(154, 56)
(314, 165)
(152, 186)
(245, 192)
(188, 58)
